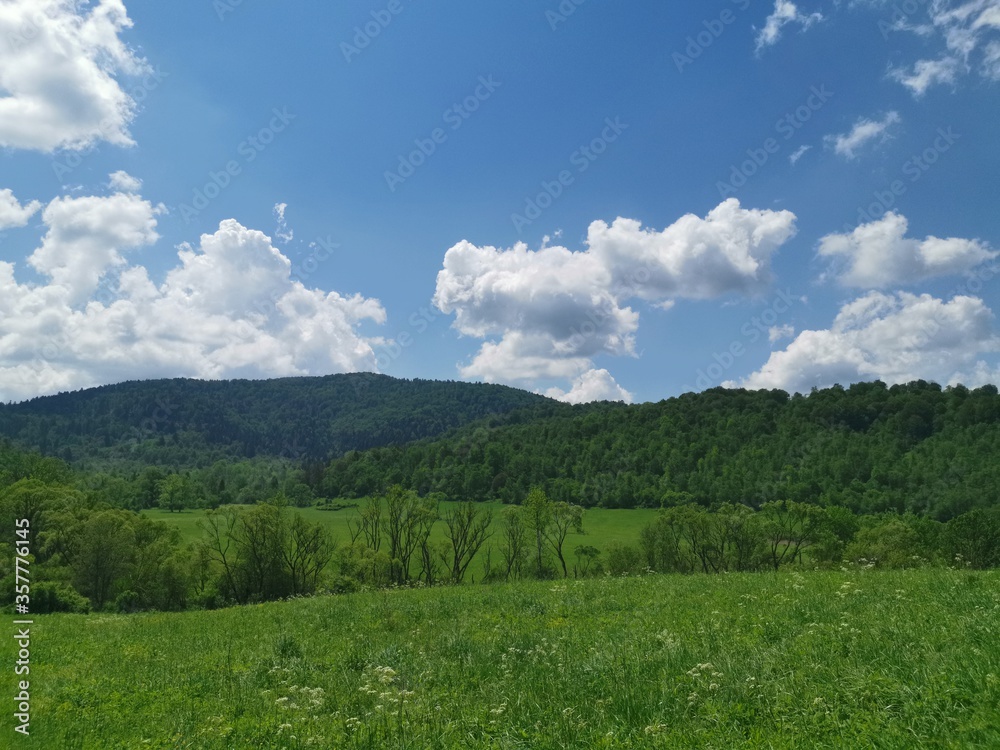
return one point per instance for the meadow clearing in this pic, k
(850, 658)
(601, 526)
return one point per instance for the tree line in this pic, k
(915, 448)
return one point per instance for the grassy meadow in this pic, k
(600, 526)
(837, 659)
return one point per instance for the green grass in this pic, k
(600, 526)
(841, 659)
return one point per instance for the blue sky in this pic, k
(585, 199)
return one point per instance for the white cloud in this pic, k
(964, 29)
(927, 73)
(879, 254)
(785, 12)
(230, 308)
(86, 237)
(991, 61)
(549, 312)
(895, 338)
(282, 232)
(798, 154)
(126, 183)
(58, 71)
(863, 132)
(777, 333)
(12, 213)
(593, 385)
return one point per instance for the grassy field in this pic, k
(600, 526)
(842, 659)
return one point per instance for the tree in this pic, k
(514, 541)
(973, 538)
(306, 551)
(368, 524)
(103, 552)
(175, 493)
(537, 514)
(586, 557)
(562, 518)
(467, 528)
(263, 554)
(408, 524)
(789, 527)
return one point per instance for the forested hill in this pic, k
(192, 423)
(916, 447)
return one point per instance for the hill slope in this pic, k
(192, 422)
(870, 448)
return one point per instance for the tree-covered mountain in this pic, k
(870, 448)
(189, 423)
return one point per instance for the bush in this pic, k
(56, 596)
(127, 602)
(893, 544)
(974, 538)
(622, 559)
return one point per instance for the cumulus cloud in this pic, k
(58, 74)
(231, 307)
(863, 132)
(777, 333)
(124, 182)
(785, 12)
(87, 236)
(879, 254)
(895, 338)
(593, 385)
(12, 213)
(548, 313)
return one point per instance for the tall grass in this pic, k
(839, 659)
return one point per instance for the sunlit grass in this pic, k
(600, 526)
(841, 659)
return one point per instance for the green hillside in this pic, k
(187, 423)
(871, 448)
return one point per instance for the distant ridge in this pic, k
(189, 422)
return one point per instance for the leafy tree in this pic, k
(790, 527)
(103, 551)
(175, 493)
(562, 518)
(514, 541)
(973, 538)
(537, 515)
(467, 529)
